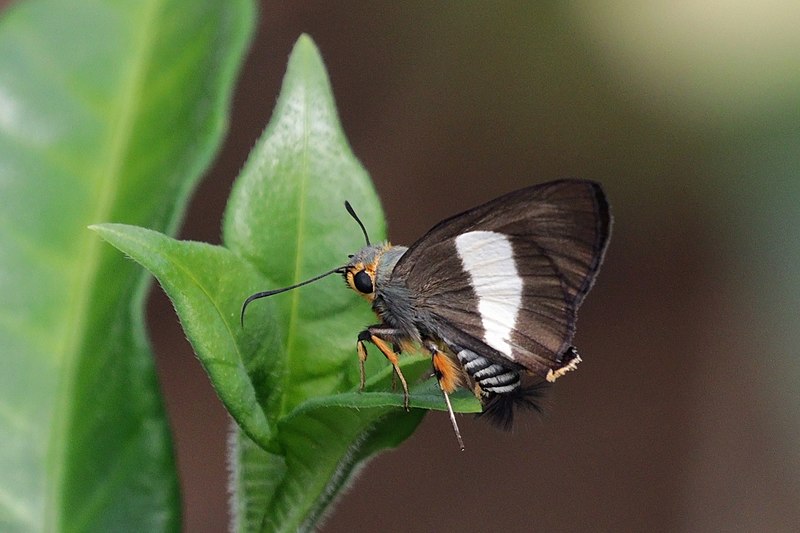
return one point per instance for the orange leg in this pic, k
(362, 358)
(389, 353)
(392, 357)
(449, 377)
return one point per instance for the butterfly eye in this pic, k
(362, 282)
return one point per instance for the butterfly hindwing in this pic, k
(506, 278)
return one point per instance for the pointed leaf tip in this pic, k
(305, 40)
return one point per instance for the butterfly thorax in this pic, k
(369, 273)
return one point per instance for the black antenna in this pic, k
(264, 294)
(353, 214)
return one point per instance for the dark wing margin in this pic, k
(559, 233)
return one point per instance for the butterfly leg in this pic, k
(448, 377)
(362, 358)
(377, 336)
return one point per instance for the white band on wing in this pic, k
(488, 257)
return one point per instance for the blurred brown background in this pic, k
(685, 415)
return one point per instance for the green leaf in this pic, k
(326, 439)
(109, 111)
(286, 217)
(205, 284)
(289, 376)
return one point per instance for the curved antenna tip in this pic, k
(247, 302)
(352, 213)
(264, 294)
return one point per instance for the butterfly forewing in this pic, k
(506, 278)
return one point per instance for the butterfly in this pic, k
(491, 294)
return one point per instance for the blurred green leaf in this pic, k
(108, 112)
(289, 377)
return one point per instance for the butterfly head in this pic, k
(361, 272)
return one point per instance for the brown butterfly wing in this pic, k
(558, 233)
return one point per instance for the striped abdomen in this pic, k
(492, 378)
(501, 388)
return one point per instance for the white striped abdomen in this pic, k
(491, 377)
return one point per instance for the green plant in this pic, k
(289, 378)
(88, 447)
